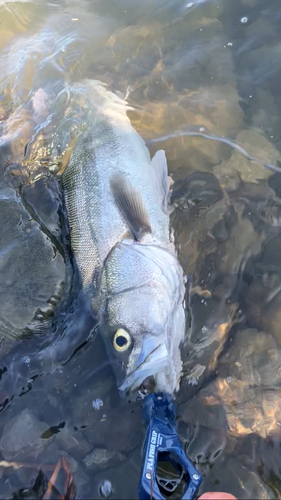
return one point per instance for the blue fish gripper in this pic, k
(166, 472)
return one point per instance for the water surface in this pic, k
(210, 65)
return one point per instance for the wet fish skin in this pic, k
(131, 277)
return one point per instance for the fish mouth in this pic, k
(154, 358)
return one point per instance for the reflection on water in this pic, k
(210, 65)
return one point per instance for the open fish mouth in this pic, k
(153, 359)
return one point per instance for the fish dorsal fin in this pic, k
(130, 205)
(163, 181)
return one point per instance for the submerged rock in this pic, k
(243, 241)
(32, 270)
(262, 277)
(230, 474)
(249, 409)
(194, 51)
(249, 171)
(207, 426)
(163, 83)
(198, 190)
(254, 359)
(21, 437)
(43, 200)
(116, 434)
(243, 399)
(265, 113)
(248, 384)
(101, 458)
(215, 431)
(214, 108)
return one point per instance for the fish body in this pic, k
(116, 199)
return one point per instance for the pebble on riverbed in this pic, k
(106, 489)
(102, 459)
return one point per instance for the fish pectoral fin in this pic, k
(131, 206)
(163, 181)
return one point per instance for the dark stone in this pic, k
(198, 190)
(37, 491)
(105, 489)
(222, 228)
(43, 200)
(32, 270)
(275, 183)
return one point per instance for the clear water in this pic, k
(212, 64)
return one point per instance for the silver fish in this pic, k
(117, 199)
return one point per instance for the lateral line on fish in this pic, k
(211, 137)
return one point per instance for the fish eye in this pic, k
(121, 340)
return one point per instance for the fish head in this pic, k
(142, 316)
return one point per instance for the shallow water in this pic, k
(212, 65)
